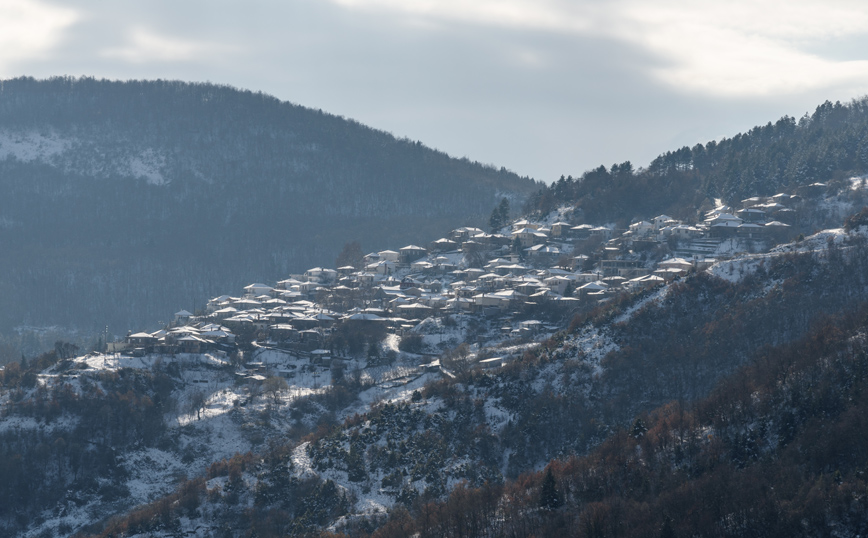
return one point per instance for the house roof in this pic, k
(364, 317)
(141, 335)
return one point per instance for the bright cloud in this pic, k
(29, 29)
(540, 14)
(738, 48)
(146, 46)
(746, 48)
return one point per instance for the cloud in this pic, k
(739, 48)
(744, 48)
(30, 29)
(540, 86)
(145, 46)
(537, 14)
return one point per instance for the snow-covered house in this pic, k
(388, 255)
(411, 253)
(676, 263)
(560, 229)
(253, 290)
(660, 221)
(443, 245)
(643, 228)
(751, 214)
(528, 236)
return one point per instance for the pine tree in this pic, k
(549, 497)
(352, 254)
(639, 428)
(499, 215)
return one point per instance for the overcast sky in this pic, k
(542, 87)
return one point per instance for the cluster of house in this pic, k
(758, 219)
(469, 271)
(186, 335)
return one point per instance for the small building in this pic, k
(751, 214)
(388, 255)
(443, 245)
(321, 357)
(141, 339)
(257, 289)
(411, 253)
(528, 237)
(676, 263)
(560, 229)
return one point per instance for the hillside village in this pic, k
(511, 285)
(405, 330)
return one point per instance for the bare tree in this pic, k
(198, 402)
(273, 386)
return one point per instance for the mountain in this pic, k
(678, 408)
(775, 450)
(124, 201)
(827, 146)
(556, 377)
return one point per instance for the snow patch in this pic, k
(628, 313)
(31, 146)
(148, 165)
(593, 345)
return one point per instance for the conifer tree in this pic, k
(549, 497)
(499, 215)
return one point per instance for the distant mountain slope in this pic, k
(829, 146)
(125, 201)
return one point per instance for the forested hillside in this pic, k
(827, 146)
(776, 450)
(565, 375)
(669, 411)
(126, 201)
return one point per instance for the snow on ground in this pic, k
(31, 146)
(116, 361)
(229, 421)
(836, 208)
(496, 416)
(153, 472)
(594, 345)
(435, 333)
(391, 342)
(398, 390)
(301, 461)
(735, 269)
(148, 165)
(628, 313)
(516, 350)
(731, 247)
(19, 423)
(813, 243)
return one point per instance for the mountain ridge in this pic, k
(147, 191)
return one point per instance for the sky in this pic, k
(542, 87)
